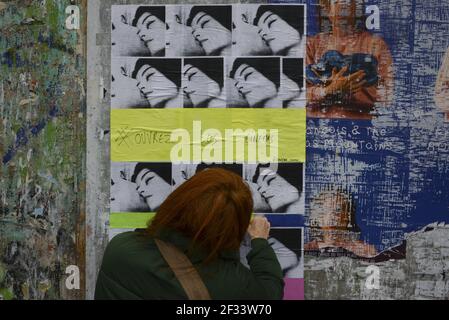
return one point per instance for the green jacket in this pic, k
(133, 268)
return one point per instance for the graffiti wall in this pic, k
(42, 143)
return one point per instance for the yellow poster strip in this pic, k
(192, 135)
(132, 220)
(129, 220)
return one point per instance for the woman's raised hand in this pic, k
(259, 227)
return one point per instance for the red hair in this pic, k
(213, 208)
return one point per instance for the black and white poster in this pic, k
(208, 56)
(287, 243)
(139, 186)
(276, 188)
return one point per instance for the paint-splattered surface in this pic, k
(42, 143)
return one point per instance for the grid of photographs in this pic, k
(208, 56)
(142, 187)
(213, 56)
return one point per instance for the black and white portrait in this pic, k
(253, 82)
(146, 83)
(139, 187)
(213, 56)
(262, 30)
(184, 171)
(293, 91)
(277, 187)
(180, 40)
(211, 27)
(138, 31)
(287, 245)
(124, 91)
(203, 83)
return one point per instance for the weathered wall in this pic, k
(422, 275)
(42, 143)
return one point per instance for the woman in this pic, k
(206, 218)
(257, 80)
(124, 92)
(150, 24)
(347, 91)
(211, 27)
(282, 28)
(124, 197)
(203, 83)
(153, 183)
(247, 40)
(277, 191)
(184, 171)
(159, 82)
(124, 38)
(179, 38)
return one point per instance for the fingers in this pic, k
(260, 219)
(316, 72)
(357, 75)
(259, 227)
(342, 71)
(334, 72)
(357, 86)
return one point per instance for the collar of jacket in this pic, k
(196, 254)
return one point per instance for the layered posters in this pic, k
(377, 142)
(201, 86)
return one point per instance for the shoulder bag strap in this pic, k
(184, 270)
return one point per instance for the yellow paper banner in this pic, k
(208, 135)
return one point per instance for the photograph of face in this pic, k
(124, 38)
(276, 188)
(184, 171)
(254, 82)
(203, 83)
(139, 187)
(246, 37)
(179, 37)
(124, 91)
(269, 30)
(287, 245)
(211, 28)
(138, 31)
(293, 91)
(159, 82)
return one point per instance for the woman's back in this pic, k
(133, 268)
(206, 218)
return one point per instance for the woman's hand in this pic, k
(339, 83)
(259, 227)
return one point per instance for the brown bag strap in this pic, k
(184, 270)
